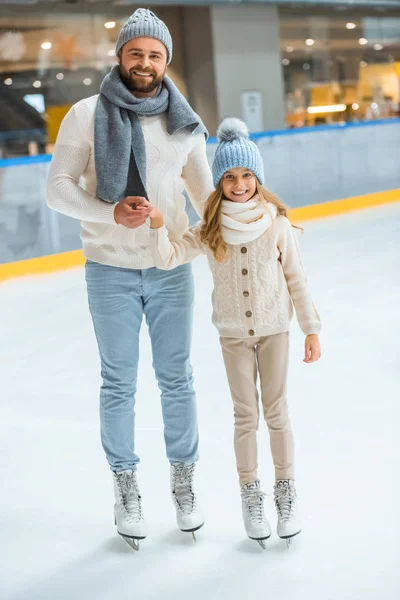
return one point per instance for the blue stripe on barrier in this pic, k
(25, 160)
(316, 128)
(45, 158)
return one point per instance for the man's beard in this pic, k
(136, 84)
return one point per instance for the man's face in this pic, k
(142, 65)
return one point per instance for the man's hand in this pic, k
(312, 349)
(131, 212)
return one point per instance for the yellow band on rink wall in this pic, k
(67, 260)
(338, 207)
(43, 264)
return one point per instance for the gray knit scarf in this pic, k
(120, 153)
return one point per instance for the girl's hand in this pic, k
(312, 349)
(156, 218)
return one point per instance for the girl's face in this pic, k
(239, 184)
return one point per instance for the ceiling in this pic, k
(132, 3)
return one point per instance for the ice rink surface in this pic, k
(58, 540)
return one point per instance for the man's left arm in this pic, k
(197, 175)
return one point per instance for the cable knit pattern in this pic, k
(174, 162)
(271, 311)
(255, 284)
(226, 293)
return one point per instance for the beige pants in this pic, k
(269, 356)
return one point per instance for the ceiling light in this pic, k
(37, 84)
(355, 106)
(378, 47)
(351, 25)
(289, 49)
(330, 108)
(110, 24)
(8, 81)
(363, 64)
(306, 67)
(363, 41)
(60, 76)
(46, 45)
(87, 81)
(310, 42)
(374, 106)
(111, 53)
(285, 62)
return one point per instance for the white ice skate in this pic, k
(255, 521)
(128, 513)
(287, 507)
(188, 515)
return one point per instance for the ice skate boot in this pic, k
(188, 515)
(128, 512)
(255, 521)
(287, 507)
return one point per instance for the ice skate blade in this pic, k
(289, 539)
(263, 539)
(132, 542)
(193, 531)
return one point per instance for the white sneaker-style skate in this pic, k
(287, 507)
(128, 512)
(188, 515)
(255, 521)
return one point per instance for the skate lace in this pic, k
(254, 503)
(129, 492)
(285, 498)
(182, 487)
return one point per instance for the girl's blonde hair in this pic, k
(210, 231)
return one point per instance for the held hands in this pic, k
(156, 218)
(133, 211)
(130, 212)
(312, 349)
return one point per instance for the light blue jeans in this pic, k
(118, 298)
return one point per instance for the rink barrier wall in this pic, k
(308, 168)
(68, 260)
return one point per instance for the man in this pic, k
(137, 138)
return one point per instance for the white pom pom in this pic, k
(230, 129)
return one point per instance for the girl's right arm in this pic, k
(168, 255)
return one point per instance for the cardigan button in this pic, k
(244, 271)
(248, 313)
(251, 332)
(246, 294)
(243, 250)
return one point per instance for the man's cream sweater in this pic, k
(255, 285)
(174, 163)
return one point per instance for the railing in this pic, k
(302, 166)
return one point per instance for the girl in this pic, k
(258, 274)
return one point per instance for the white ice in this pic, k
(57, 533)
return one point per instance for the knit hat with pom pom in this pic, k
(235, 149)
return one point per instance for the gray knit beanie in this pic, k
(235, 149)
(144, 23)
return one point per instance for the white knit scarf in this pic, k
(244, 222)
